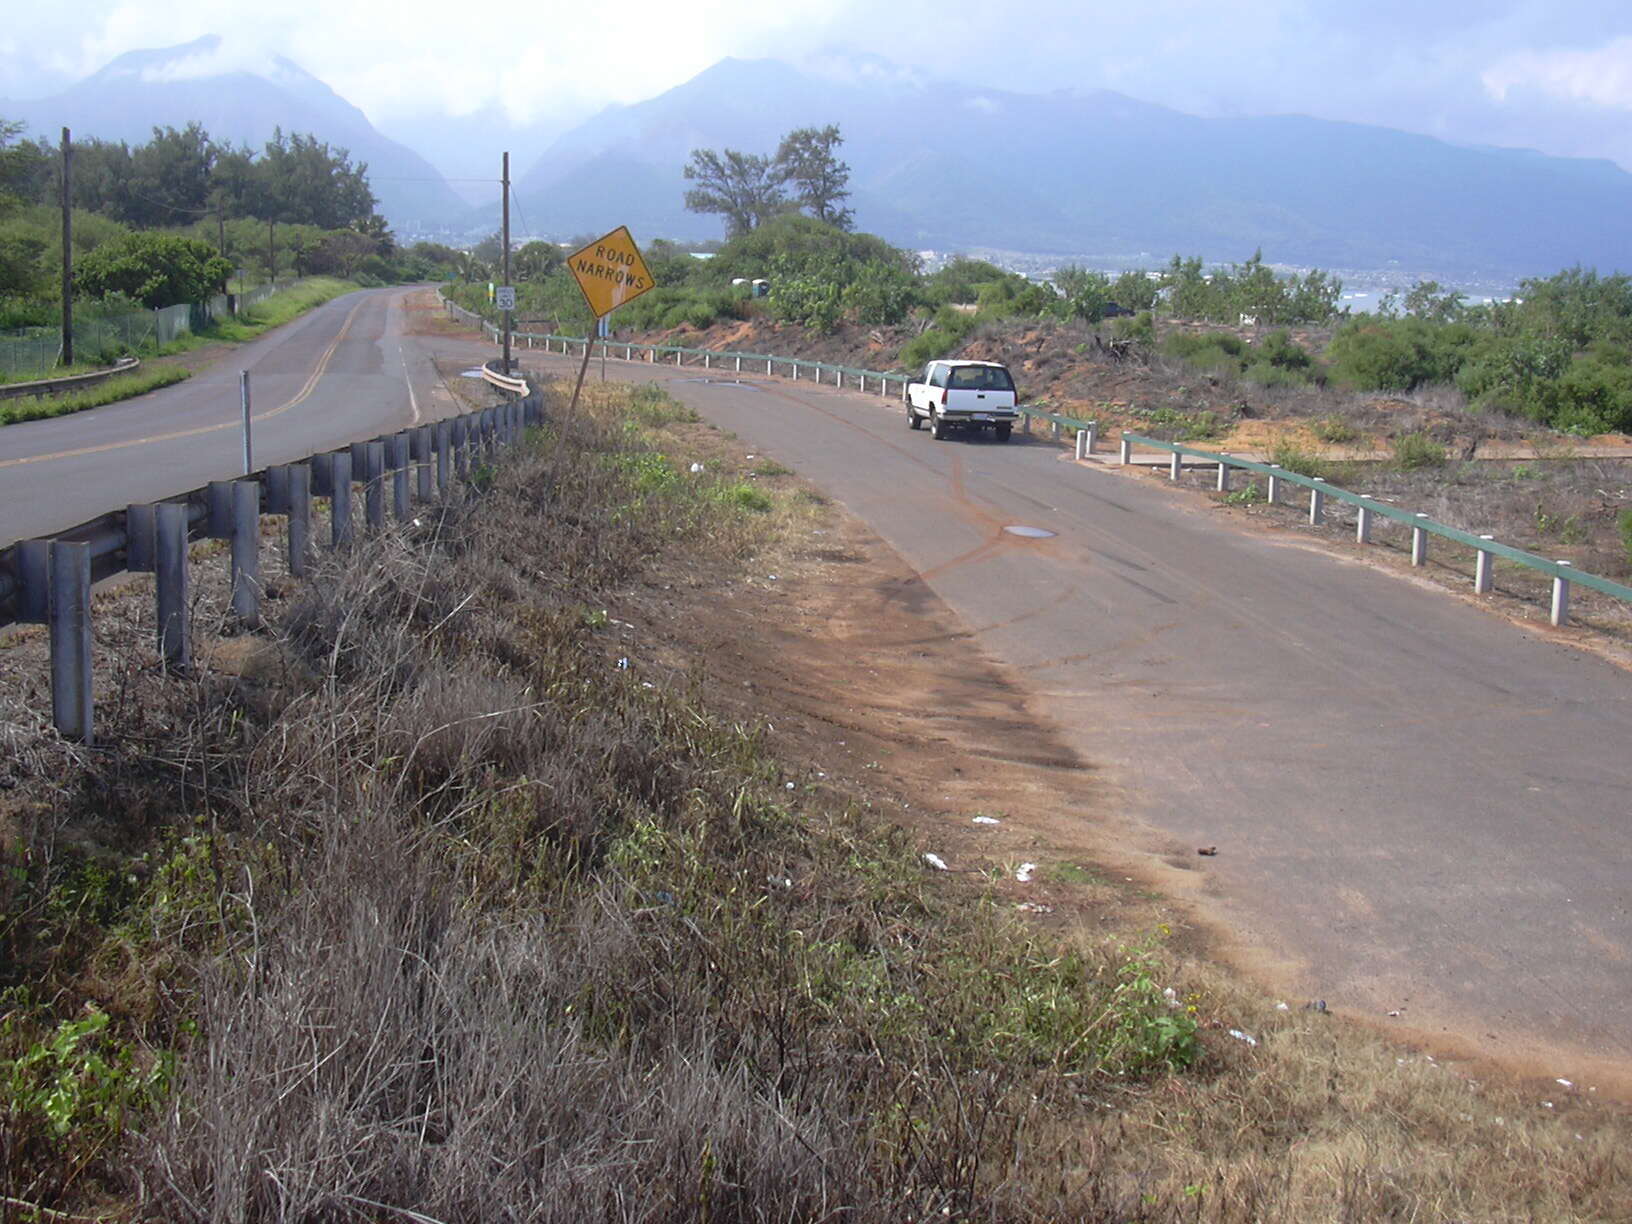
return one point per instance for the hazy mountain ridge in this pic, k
(173, 86)
(942, 164)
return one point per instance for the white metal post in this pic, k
(1482, 569)
(1317, 504)
(1126, 455)
(1561, 599)
(1173, 467)
(1223, 476)
(1274, 486)
(1362, 524)
(1419, 543)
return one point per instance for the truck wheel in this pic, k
(937, 427)
(914, 421)
(1002, 432)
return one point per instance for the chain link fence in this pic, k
(104, 333)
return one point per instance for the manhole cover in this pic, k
(1031, 533)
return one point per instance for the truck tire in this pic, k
(1003, 432)
(937, 427)
(914, 421)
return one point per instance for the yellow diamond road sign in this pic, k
(610, 271)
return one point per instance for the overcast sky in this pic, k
(1555, 75)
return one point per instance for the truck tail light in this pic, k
(944, 394)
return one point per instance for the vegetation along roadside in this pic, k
(425, 901)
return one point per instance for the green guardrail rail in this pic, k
(1561, 571)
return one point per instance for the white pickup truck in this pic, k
(963, 395)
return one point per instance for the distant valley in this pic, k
(939, 165)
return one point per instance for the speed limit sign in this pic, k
(504, 297)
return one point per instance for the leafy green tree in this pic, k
(807, 160)
(301, 180)
(536, 260)
(1085, 294)
(154, 269)
(170, 177)
(1432, 301)
(23, 167)
(745, 189)
(22, 261)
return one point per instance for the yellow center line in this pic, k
(300, 397)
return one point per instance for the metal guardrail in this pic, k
(69, 382)
(1486, 547)
(48, 581)
(1369, 508)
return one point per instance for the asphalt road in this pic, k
(1419, 807)
(341, 372)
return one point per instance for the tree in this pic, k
(743, 188)
(302, 181)
(22, 166)
(806, 159)
(155, 269)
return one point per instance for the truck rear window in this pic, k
(981, 378)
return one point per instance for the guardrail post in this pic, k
(676, 356)
(419, 441)
(1362, 523)
(340, 531)
(277, 489)
(443, 443)
(1317, 504)
(1419, 542)
(1274, 483)
(218, 501)
(139, 541)
(374, 484)
(401, 506)
(739, 365)
(767, 366)
(300, 518)
(1482, 568)
(1126, 453)
(1056, 430)
(1173, 466)
(170, 585)
(1223, 476)
(70, 617)
(246, 551)
(1082, 443)
(1093, 437)
(33, 581)
(708, 360)
(1561, 598)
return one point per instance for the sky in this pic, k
(1553, 75)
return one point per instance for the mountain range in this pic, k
(174, 86)
(939, 164)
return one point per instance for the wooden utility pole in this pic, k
(67, 249)
(508, 315)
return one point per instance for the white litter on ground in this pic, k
(695, 468)
(987, 820)
(1282, 1007)
(1564, 1082)
(935, 861)
(1027, 870)
(1246, 1037)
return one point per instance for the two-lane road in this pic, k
(346, 370)
(1419, 806)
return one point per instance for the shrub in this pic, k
(1417, 450)
(1334, 429)
(927, 347)
(1294, 458)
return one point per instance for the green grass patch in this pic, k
(1417, 450)
(125, 386)
(1182, 426)
(280, 308)
(1295, 458)
(1335, 430)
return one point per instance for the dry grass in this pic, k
(444, 915)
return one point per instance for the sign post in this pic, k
(609, 272)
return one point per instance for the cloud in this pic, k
(1601, 76)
